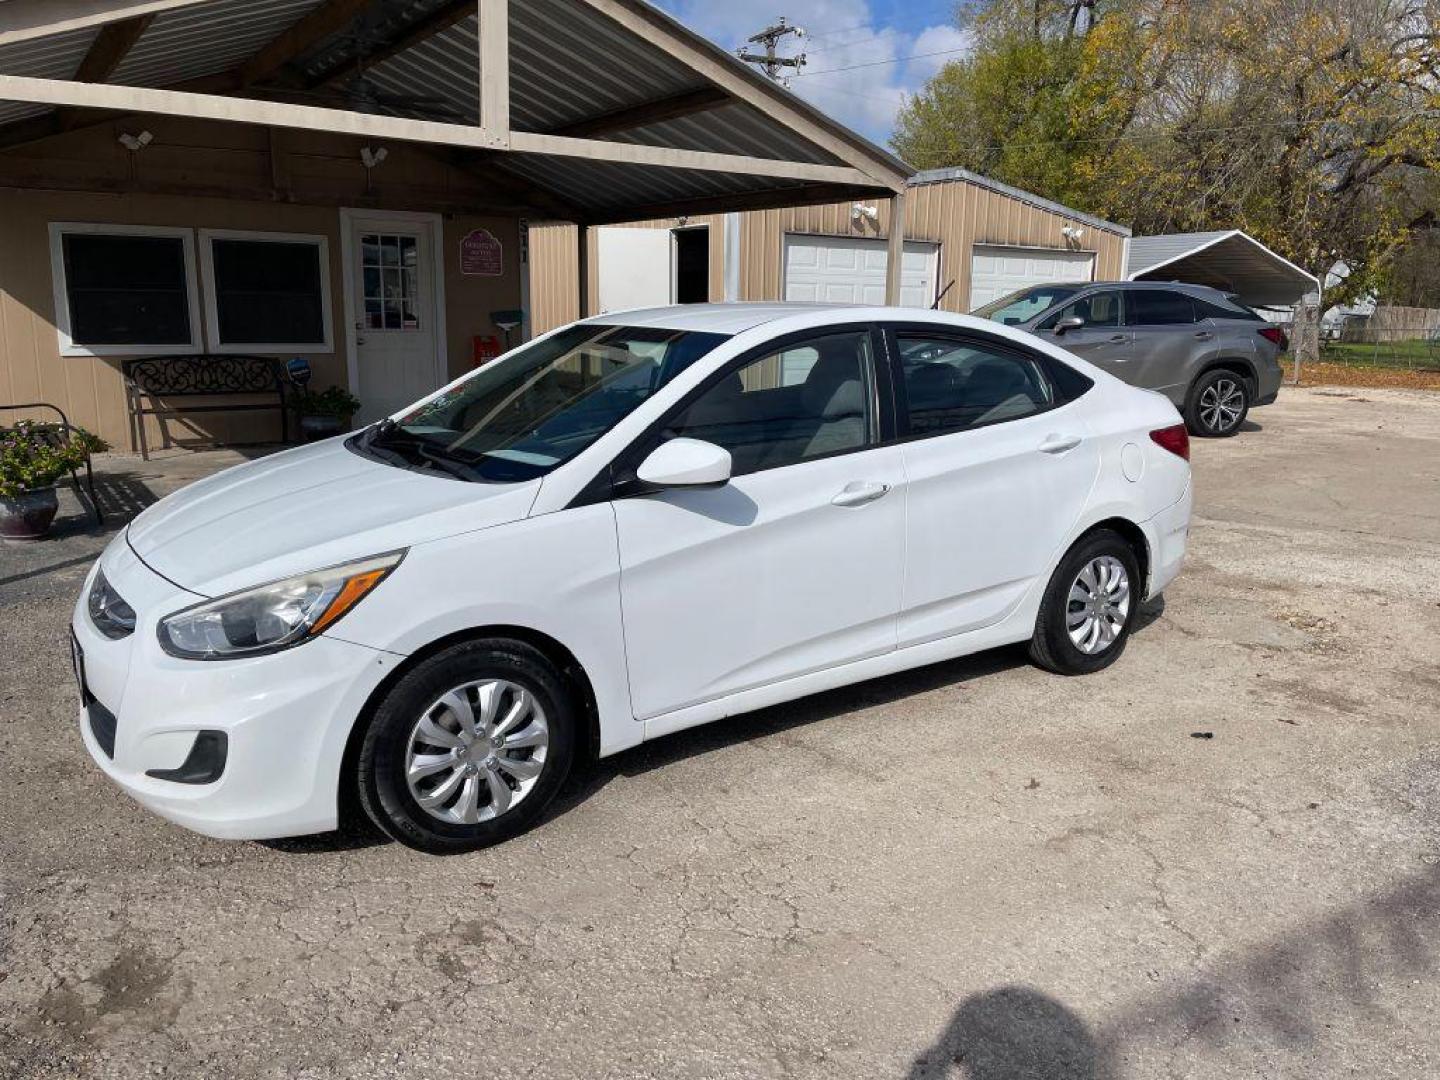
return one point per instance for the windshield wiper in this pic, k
(388, 435)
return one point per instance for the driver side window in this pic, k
(1097, 310)
(811, 399)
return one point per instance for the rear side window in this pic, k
(1097, 309)
(954, 385)
(1224, 309)
(1158, 307)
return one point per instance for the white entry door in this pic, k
(999, 271)
(398, 338)
(633, 267)
(851, 270)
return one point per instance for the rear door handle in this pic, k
(1058, 444)
(1204, 335)
(859, 492)
(1118, 337)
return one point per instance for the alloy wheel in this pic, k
(477, 751)
(1099, 604)
(1221, 404)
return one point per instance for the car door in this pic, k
(998, 463)
(792, 566)
(1171, 339)
(1103, 339)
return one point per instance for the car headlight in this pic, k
(275, 616)
(111, 615)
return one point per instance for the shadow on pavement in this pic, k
(1278, 997)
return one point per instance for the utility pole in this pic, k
(771, 63)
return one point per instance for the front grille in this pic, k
(102, 726)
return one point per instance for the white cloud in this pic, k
(841, 34)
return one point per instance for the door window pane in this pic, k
(1098, 309)
(803, 402)
(1158, 307)
(268, 292)
(954, 386)
(390, 271)
(126, 290)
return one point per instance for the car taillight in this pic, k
(1276, 335)
(1174, 438)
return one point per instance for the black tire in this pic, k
(1224, 388)
(1051, 647)
(380, 770)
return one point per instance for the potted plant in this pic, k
(323, 413)
(31, 460)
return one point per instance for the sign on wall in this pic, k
(481, 254)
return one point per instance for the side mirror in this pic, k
(1074, 322)
(686, 463)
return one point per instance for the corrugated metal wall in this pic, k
(958, 214)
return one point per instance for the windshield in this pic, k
(1021, 307)
(541, 405)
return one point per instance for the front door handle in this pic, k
(1204, 335)
(1118, 337)
(859, 492)
(1058, 444)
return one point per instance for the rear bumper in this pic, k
(1269, 376)
(1167, 534)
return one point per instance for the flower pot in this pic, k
(315, 427)
(27, 516)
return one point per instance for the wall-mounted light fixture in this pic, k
(135, 143)
(860, 212)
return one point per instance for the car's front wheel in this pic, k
(1088, 606)
(1217, 405)
(468, 748)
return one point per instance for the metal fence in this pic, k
(1412, 348)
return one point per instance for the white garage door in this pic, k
(850, 270)
(634, 270)
(999, 271)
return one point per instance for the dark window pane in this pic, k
(954, 385)
(1223, 309)
(268, 292)
(126, 290)
(1158, 307)
(804, 402)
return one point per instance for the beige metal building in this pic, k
(346, 180)
(966, 236)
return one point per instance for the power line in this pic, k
(882, 63)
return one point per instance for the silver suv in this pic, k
(1210, 355)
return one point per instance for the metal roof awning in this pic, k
(1230, 260)
(605, 110)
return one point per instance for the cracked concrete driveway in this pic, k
(971, 870)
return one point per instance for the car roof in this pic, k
(711, 318)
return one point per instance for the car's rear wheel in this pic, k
(1088, 607)
(468, 748)
(1217, 405)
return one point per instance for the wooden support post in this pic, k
(895, 249)
(582, 265)
(495, 68)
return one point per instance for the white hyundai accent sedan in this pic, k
(632, 525)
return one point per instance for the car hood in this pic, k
(307, 508)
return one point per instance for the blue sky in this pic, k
(878, 34)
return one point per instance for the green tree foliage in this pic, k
(1312, 124)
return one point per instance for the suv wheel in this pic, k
(467, 749)
(1217, 405)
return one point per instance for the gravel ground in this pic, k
(975, 870)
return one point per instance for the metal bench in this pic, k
(152, 382)
(58, 433)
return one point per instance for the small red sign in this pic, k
(481, 254)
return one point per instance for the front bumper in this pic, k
(285, 717)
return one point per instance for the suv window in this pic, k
(807, 400)
(1223, 309)
(953, 385)
(1158, 307)
(1098, 309)
(1024, 305)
